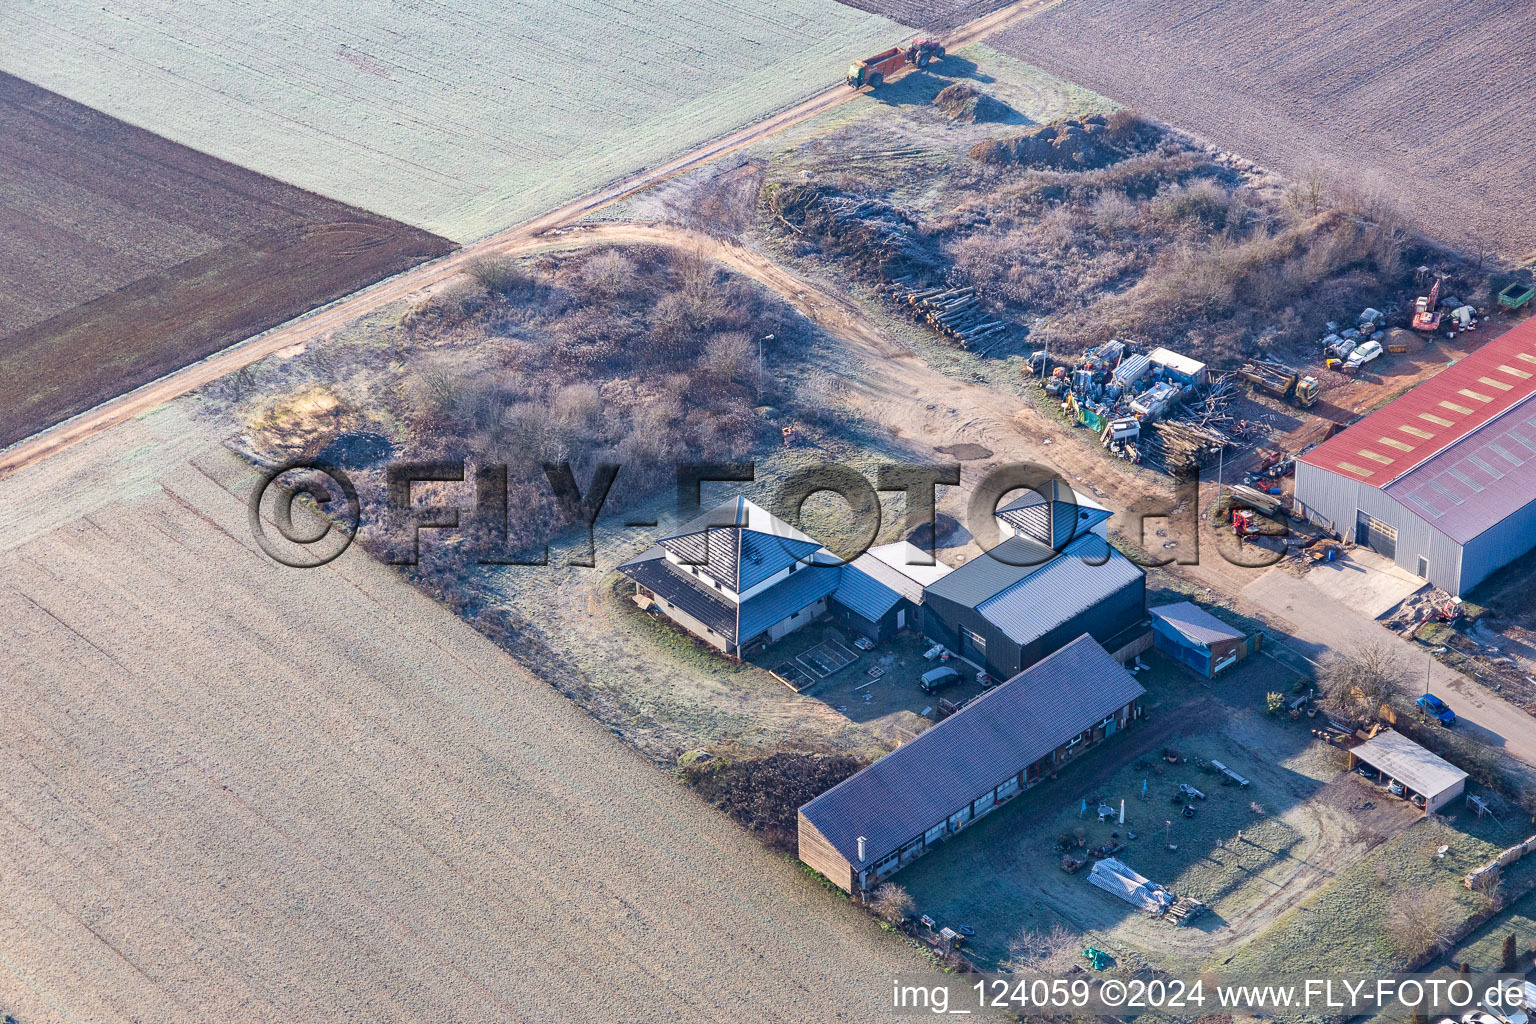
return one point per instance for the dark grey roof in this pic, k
(652, 571)
(860, 592)
(803, 587)
(719, 543)
(1087, 571)
(1196, 623)
(992, 572)
(920, 784)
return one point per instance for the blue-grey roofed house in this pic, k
(738, 577)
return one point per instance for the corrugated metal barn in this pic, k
(1443, 480)
(873, 823)
(1008, 608)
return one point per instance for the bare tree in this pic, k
(891, 903)
(1361, 682)
(1048, 952)
(1423, 922)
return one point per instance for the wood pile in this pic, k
(1185, 909)
(1184, 442)
(956, 312)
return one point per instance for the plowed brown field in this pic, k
(1427, 104)
(934, 16)
(124, 256)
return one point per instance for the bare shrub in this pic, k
(891, 903)
(1360, 683)
(608, 275)
(576, 406)
(728, 355)
(1113, 212)
(1047, 952)
(499, 276)
(1125, 125)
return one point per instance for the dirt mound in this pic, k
(1073, 144)
(967, 104)
(765, 794)
(304, 424)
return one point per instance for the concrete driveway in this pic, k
(1319, 621)
(1365, 581)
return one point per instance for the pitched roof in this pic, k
(921, 783)
(803, 587)
(739, 543)
(1408, 763)
(1478, 481)
(1086, 572)
(1194, 622)
(900, 567)
(992, 571)
(652, 571)
(862, 593)
(1449, 407)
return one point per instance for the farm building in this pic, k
(1197, 639)
(1394, 756)
(866, 827)
(901, 570)
(1010, 607)
(738, 576)
(1442, 480)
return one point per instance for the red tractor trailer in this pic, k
(871, 71)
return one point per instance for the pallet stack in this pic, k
(1185, 909)
(956, 312)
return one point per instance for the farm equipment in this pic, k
(1281, 381)
(1426, 311)
(871, 71)
(1516, 295)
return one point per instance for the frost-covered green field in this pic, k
(459, 116)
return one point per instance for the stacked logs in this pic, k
(956, 312)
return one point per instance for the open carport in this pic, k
(1394, 756)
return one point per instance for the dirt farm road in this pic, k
(437, 272)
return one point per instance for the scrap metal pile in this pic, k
(1159, 408)
(956, 312)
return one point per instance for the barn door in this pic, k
(1376, 535)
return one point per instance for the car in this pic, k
(1367, 351)
(1397, 788)
(938, 678)
(1437, 709)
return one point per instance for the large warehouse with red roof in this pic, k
(1443, 480)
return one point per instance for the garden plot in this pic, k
(462, 118)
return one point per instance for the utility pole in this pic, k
(762, 371)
